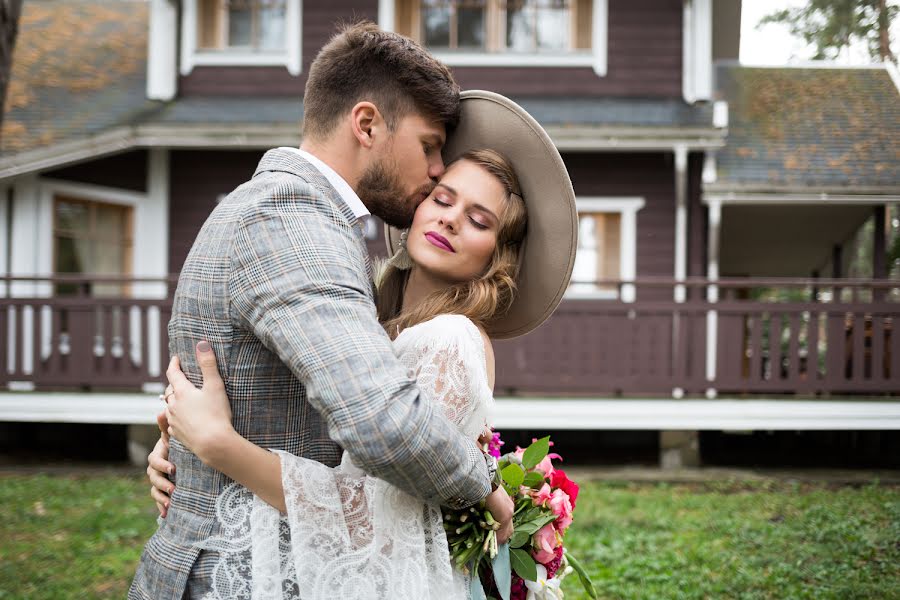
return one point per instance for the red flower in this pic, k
(559, 480)
(517, 591)
(553, 565)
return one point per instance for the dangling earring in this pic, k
(401, 259)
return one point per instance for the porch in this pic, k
(735, 338)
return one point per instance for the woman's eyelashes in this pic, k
(475, 222)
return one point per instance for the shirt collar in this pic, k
(338, 183)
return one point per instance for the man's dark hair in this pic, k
(363, 63)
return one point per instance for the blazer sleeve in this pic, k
(298, 282)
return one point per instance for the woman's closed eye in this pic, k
(478, 224)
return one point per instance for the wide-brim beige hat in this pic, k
(489, 120)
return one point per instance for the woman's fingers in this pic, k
(162, 501)
(206, 360)
(163, 423)
(158, 459)
(175, 375)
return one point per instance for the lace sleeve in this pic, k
(449, 366)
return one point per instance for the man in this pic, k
(277, 283)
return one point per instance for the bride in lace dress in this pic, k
(346, 534)
(466, 269)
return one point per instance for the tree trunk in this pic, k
(9, 27)
(884, 38)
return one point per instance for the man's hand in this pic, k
(501, 507)
(158, 467)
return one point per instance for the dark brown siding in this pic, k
(650, 176)
(320, 21)
(127, 171)
(698, 218)
(197, 179)
(644, 58)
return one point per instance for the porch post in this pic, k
(712, 295)
(5, 202)
(681, 221)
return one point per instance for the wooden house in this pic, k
(706, 189)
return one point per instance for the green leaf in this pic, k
(523, 564)
(582, 575)
(534, 480)
(530, 527)
(502, 571)
(513, 475)
(536, 452)
(519, 539)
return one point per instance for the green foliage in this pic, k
(512, 475)
(832, 25)
(536, 452)
(523, 564)
(81, 537)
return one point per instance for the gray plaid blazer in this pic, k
(276, 281)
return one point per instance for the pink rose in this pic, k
(559, 480)
(541, 496)
(545, 466)
(562, 508)
(544, 543)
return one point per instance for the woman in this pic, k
(452, 281)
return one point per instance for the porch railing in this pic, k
(798, 337)
(84, 332)
(732, 336)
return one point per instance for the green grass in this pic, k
(81, 537)
(738, 540)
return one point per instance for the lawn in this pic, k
(80, 537)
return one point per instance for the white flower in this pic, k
(543, 588)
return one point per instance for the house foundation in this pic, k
(678, 449)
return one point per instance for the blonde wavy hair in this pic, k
(481, 299)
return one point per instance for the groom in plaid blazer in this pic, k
(277, 281)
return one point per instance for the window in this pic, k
(255, 25)
(91, 238)
(607, 248)
(241, 32)
(505, 32)
(599, 253)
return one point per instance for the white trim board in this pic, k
(122, 408)
(722, 414)
(543, 414)
(254, 136)
(817, 199)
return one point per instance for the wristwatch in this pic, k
(493, 473)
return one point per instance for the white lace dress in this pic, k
(348, 535)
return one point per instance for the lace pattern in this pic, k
(348, 535)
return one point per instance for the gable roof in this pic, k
(823, 127)
(78, 68)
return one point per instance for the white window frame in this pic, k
(627, 207)
(595, 58)
(291, 57)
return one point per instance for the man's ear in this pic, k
(366, 123)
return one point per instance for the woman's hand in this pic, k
(158, 467)
(501, 507)
(199, 418)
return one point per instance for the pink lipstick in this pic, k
(439, 241)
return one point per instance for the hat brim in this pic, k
(489, 120)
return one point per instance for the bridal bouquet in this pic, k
(535, 561)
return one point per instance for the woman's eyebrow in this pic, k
(475, 205)
(485, 209)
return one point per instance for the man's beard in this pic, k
(382, 193)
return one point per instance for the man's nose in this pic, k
(436, 167)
